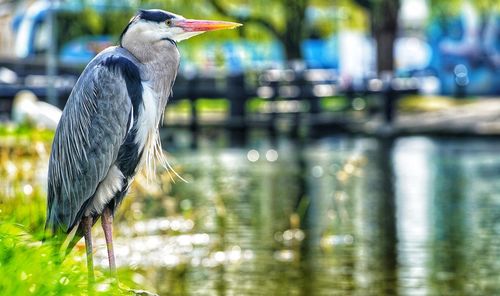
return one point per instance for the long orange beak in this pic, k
(203, 25)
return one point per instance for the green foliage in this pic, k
(449, 8)
(211, 105)
(94, 22)
(335, 104)
(352, 16)
(23, 132)
(27, 266)
(284, 21)
(90, 22)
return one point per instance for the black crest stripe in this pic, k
(155, 15)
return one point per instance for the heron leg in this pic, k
(87, 228)
(107, 226)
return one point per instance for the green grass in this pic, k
(335, 104)
(24, 132)
(329, 104)
(418, 103)
(411, 103)
(28, 267)
(212, 105)
(202, 105)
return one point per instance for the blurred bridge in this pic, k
(291, 98)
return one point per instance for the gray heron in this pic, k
(109, 127)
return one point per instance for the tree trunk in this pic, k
(385, 40)
(292, 34)
(384, 18)
(291, 38)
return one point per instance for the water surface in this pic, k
(336, 216)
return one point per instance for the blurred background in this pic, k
(330, 147)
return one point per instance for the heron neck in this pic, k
(147, 52)
(159, 64)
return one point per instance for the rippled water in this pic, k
(335, 216)
(338, 216)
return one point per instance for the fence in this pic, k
(307, 86)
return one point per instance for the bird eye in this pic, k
(169, 22)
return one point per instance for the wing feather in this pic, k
(93, 126)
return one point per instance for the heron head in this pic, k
(154, 25)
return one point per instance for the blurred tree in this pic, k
(384, 22)
(384, 26)
(447, 8)
(290, 34)
(284, 20)
(91, 22)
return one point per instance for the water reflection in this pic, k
(336, 216)
(413, 191)
(414, 216)
(448, 209)
(375, 226)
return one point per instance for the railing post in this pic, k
(192, 96)
(390, 97)
(306, 90)
(275, 85)
(237, 96)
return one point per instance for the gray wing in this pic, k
(93, 126)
